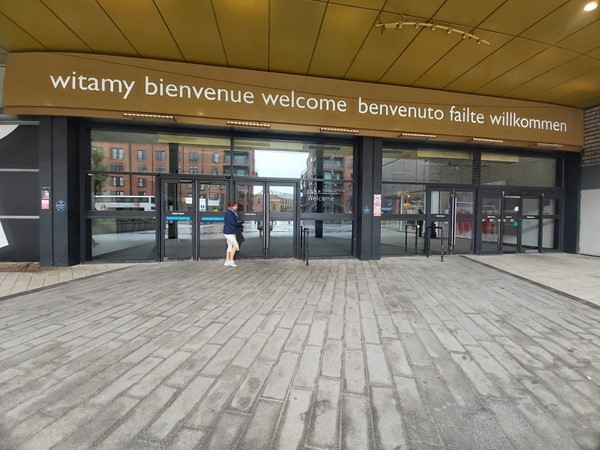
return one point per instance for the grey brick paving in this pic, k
(398, 353)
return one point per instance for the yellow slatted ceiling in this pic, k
(294, 29)
(539, 49)
(245, 41)
(196, 20)
(341, 36)
(421, 8)
(515, 16)
(427, 48)
(144, 28)
(562, 74)
(102, 37)
(535, 66)
(468, 13)
(561, 23)
(379, 52)
(460, 59)
(510, 55)
(42, 24)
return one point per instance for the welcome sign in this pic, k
(107, 86)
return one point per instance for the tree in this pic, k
(99, 178)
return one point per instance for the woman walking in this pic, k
(230, 228)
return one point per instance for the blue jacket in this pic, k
(231, 222)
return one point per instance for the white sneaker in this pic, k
(232, 264)
(226, 263)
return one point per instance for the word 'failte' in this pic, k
(465, 115)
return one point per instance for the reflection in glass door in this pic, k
(177, 219)
(211, 198)
(268, 210)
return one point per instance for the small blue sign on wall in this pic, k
(178, 218)
(366, 210)
(61, 205)
(212, 219)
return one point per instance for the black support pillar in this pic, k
(59, 176)
(572, 185)
(369, 183)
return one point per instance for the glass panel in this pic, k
(177, 196)
(281, 225)
(550, 234)
(463, 236)
(335, 237)
(119, 239)
(250, 198)
(514, 170)
(178, 237)
(212, 197)
(212, 242)
(403, 199)
(490, 224)
(124, 203)
(550, 205)
(132, 152)
(427, 166)
(511, 205)
(440, 202)
(491, 206)
(510, 229)
(292, 159)
(326, 197)
(531, 206)
(530, 235)
(439, 230)
(401, 237)
(465, 203)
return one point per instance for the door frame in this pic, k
(505, 216)
(450, 216)
(267, 215)
(195, 214)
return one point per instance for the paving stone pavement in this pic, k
(343, 354)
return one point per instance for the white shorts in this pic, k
(231, 242)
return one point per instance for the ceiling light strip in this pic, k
(148, 116)
(235, 123)
(338, 130)
(548, 144)
(418, 135)
(493, 141)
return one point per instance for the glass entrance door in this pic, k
(510, 223)
(530, 224)
(490, 222)
(269, 211)
(451, 215)
(177, 219)
(191, 212)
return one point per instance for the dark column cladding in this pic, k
(59, 171)
(369, 183)
(571, 184)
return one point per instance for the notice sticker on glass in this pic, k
(3, 240)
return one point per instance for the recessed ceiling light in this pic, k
(590, 6)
